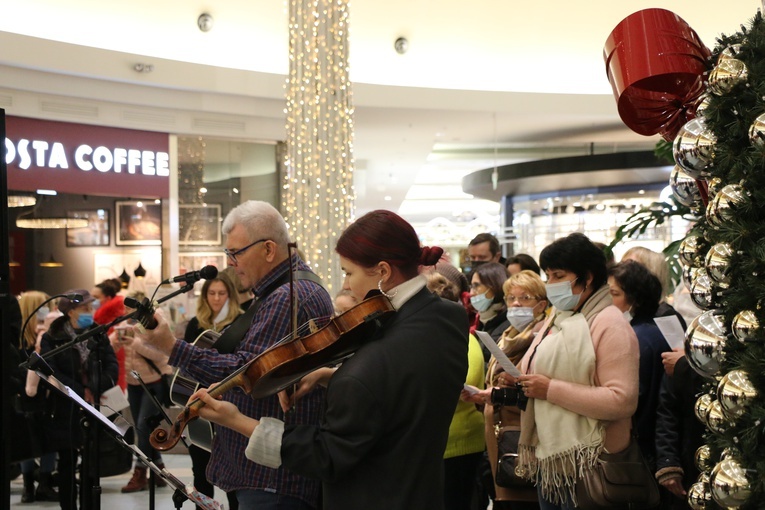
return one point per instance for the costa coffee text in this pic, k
(39, 153)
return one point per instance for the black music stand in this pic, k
(117, 430)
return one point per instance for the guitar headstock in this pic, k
(144, 311)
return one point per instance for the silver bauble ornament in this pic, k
(703, 458)
(735, 392)
(729, 485)
(731, 51)
(730, 453)
(722, 207)
(705, 293)
(690, 274)
(702, 105)
(701, 407)
(684, 187)
(715, 418)
(757, 131)
(714, 185)
(699, 496)
(704, 342)
(726, 75)
(717, 262)
(692, 251)
(745, 325)
(693, 148)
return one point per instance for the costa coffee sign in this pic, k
(82, 159)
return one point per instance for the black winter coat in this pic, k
(678, 432)
(69, 369)
(381, 441)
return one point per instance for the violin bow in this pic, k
(291, 248)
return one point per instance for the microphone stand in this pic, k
(37, 362)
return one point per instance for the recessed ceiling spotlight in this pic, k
(205, 22)
(387, 198)
(402, 45)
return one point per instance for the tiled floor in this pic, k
(178, 464)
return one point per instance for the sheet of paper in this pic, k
(672, 330)
(495, 351)
(113, 401)
(470, 389)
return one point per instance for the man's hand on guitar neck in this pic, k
(161, 337)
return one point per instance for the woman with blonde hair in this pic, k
(217, 308)
(656, 264)
(526, 302)
(33, 404)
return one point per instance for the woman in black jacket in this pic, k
(77, 368)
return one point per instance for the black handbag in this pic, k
(618, 481)
(507, 458)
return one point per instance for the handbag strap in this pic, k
(152, 365)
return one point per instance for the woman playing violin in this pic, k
(381, 440)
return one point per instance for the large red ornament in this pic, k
(656, 63)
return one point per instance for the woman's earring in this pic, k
(389, 296)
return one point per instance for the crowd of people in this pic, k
(420, 413)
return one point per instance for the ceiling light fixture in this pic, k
(51, 263)
(27, 220)
(139, 272)
(205, 22)
(401, 45)
(21, 200)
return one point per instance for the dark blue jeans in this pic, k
(251, 499)
(142, 407)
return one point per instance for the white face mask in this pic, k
(561, 296)
(628, 315)
(480, 302)
(520, 317)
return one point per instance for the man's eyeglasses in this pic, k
(232, 254)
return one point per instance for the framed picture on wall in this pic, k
(196, 260)
(95, 234)
(199, 224)
(138, 223)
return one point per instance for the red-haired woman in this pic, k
(381, 441)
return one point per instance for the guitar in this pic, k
(201, 432)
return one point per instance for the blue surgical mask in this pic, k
(480, 302)
(42, 313)
(520, 316)
(95, 304)
(561, 296)
(84, 320)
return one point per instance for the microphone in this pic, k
(206, 273)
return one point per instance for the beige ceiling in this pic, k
(485, 82)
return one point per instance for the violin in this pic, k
(287, 362)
